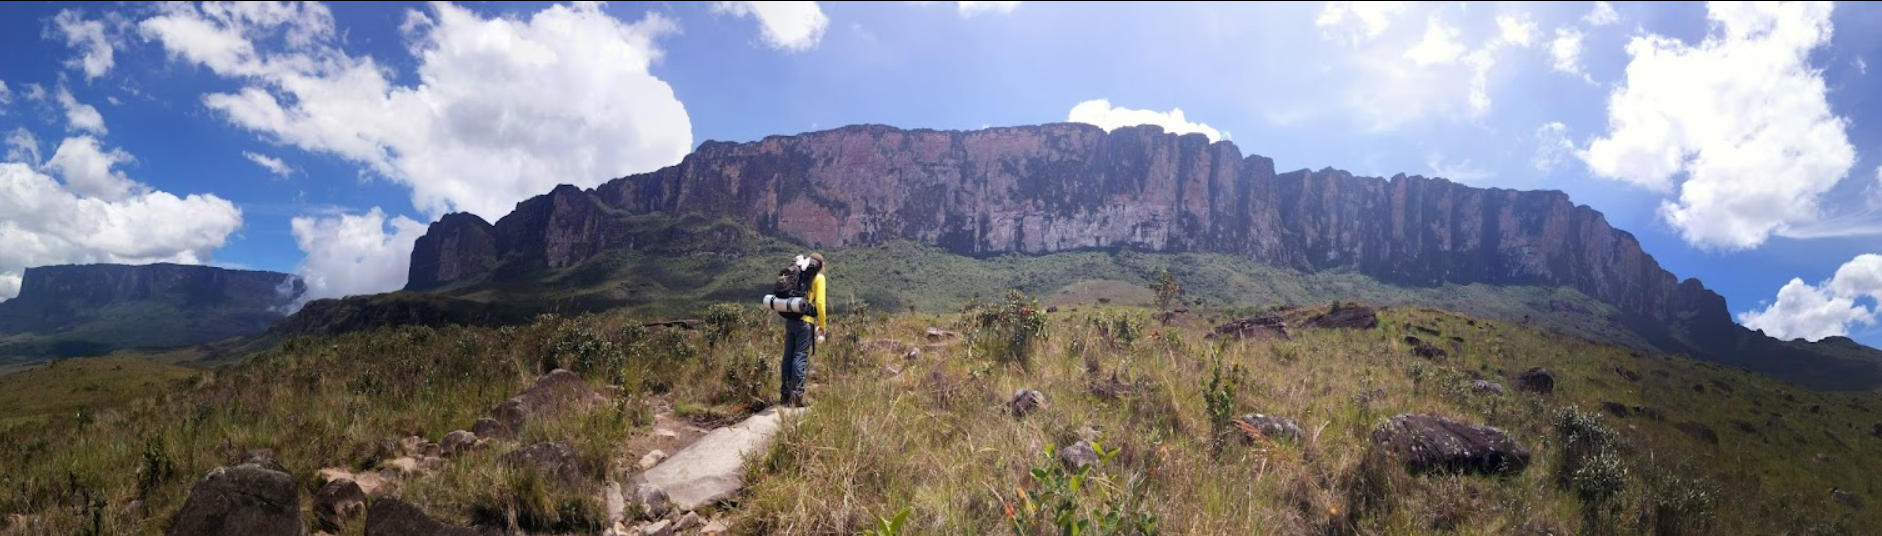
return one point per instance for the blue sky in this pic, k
(1740, 143)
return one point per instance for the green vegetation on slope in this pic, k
(931, 436)
(70, 387)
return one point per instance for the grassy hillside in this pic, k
(69, 387)
(1703, 449)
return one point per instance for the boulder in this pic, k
(336, 502)
(1270, 427)
(557, 392)
(488, 427)
(555, 462)
(255, 498)
(1079, 454)
(392, 517)
(1260, 327)
(1428, 443)
(1025, 402)
(938, 335)
(1486, 387)
(713, 468)
(457, 442)
(652, 500)
(658, 528)
(652, 459)
(1345, 316)
(1536, 380)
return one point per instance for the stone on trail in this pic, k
(713, 468)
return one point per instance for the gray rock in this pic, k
(393, 517)
(458, 442)
(688, 521)
(557, 392)
(652, 459)
(1079, 454)
(615, 501)
(1536, 380)
(488, 427)
(713, 467)
(556, 462)
(1428, 443)
(1272, 427)
(658, 528)
(254, 498)
(652, 500)
(1026, 402)
(336, 502)
(1486, 387)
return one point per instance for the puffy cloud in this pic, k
(6, 97)
(1742, 117)
(1357, 22)
(502, 109)
(272, 164)
(1812, 312)
(349, 254)
(1516, 31)
(1602, 15)
(42, 223)
(80, 116)
(89, 37)
(34, 92)
(969, 9)
(86, 168)
(1100, 112)
(787, 26)
(22, 147)
(1462, 171)
(1439, 45)
(1552, 146)
(1565, 52)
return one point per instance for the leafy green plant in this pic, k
(889, 527)
(1065, 502)
(723, 321)
(1218, 398)
(1167, 289)
(1009, 332)
(745, 379)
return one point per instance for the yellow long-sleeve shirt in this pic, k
(816, 297)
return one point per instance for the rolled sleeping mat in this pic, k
(787, 305)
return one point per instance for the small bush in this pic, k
(1008, 332)
(1218, 398)
(1064, 501)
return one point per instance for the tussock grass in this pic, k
(933, 437)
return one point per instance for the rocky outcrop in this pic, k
(393, 517)
(1428, 443)
(1065, 186)
(255, 497)
(83, 310)
(1061, 187)
(458, 246)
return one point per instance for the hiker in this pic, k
(802, 305)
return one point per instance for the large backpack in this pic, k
(791, 292)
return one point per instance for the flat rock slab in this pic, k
(713, 468)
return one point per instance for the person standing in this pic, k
(801, 334)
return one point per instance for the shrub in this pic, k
(1065, 503)
(1218, 399)
(1008, 332)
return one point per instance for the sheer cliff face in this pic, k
(1059, 187)
(104, 284)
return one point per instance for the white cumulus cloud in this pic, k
(787, 26)
(1356, 22)
(6, 97)
(89, 37)
(1602, 15)
(87, 169)
(502, 109)
(1516, 30)
(1100, 112)
(1812, 312)
(1565, 52)
(22, 147)
(1552, 146)
(350, 254)
(499, 110)
(1439, 45)
(43, 223)
(272, 164)
(1742, 117)
(80, 116)
(969, 9)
